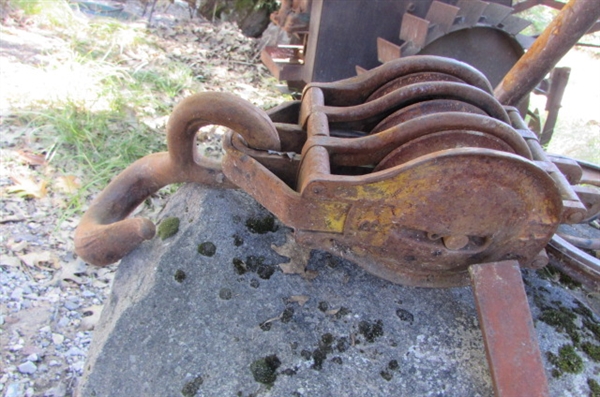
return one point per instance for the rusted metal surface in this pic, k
(558, 83)
(574, 262)
(511, 344)
(449, 189)
(573, 21)
(424, 108)
(293, 16)
(356, 90)
(104, 235)
(574, 211)
(407, 181)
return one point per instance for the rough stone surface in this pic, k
(182, 324)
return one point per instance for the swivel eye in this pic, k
(104, 235)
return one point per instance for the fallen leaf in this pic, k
(70, 271)
(68, 184)
(31, 158)
(298, 256)
(332, 312)
(26, 187)
(299, 299)
(39, 259)
(12, 261)
(17, 247)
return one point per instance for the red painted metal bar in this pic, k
(511, 344)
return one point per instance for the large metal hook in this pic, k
(104, 235)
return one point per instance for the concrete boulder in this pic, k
(208, 311)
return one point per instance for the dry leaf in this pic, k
(31, 158)
(299, 299)
(70, 271)
(11, 261)
(333, 312)
(39, 259)
(298, 258)
(17, 247)
(68, 184)
(26, 187)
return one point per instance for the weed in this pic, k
(99, 116)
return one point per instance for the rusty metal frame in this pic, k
(448, 217)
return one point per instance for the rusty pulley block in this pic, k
(412, 170)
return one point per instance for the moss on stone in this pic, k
(594, 387)
(287, 315)
(237, 240)
(563, 320)
(190, 389)
(371, 331)
(566, 361)
(168, 227)
(179, 276)
(262, 225)
(592, 350)
(386, 375)
(207, 248)
(239, 266)
(264, 369)
(553, 274)
(593, 327)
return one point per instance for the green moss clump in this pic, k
(323, 306)
(563, 320)
(342, 344)
(342, 312)
(386, 375)
(207, 249)
(553, 274)
(264, 369)
(262, 225)
(319, 356)
(253, 262)
(168, 227)
(594, 387)
(327, 339)
(591, 350)
(584, 311)
(287, 315)
(371, 331)
(593, 327)
(179, 276)
(239, 266)
(191, 388)
(237, 240)
(566, 361)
